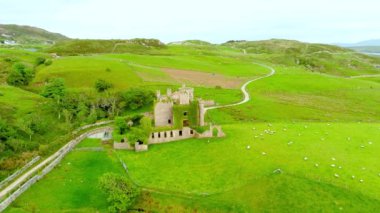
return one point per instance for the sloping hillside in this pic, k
(315, 57)
(86, 46)
(28, 35)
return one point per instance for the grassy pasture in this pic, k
(224, 167)
(82, 72)
(234, 178)
(72, 186)
(293, 95)
(10, 101)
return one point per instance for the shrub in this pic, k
(215, 132)
(39, 61)
(48, 62)
(20, 75)
(54, 89)
(102, 85)
(120, 191)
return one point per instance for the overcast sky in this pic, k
(326, 21)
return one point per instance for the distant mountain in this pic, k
(17, 34)
(368, 43)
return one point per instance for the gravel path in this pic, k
(244, 89)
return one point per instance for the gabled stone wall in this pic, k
(171, 135)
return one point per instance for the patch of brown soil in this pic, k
(204, 78)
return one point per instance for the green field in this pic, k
(72, 186)
(313, 134)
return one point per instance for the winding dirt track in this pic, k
(244, 89)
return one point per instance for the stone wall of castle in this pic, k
(171, 135)
(163, 114)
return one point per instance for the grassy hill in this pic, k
(28, 34)
(314, 57)
(78, 47)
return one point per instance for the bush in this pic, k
(54, 89)
(137, 134)
(120, 191)
(48, 62)
(102, 85)
(20, 75)
(39, 61)
(9, 60)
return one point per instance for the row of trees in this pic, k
(89, 107)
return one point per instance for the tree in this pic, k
(56, 90)
(20, 75)
(102, 85)
(120, 191)
(137, 98)
(137, 134)
(121, 125)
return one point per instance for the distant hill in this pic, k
(280, 46)
(92, 46)
(191, 42)
(28, 35)
(315, 57)
(373, 42)
(369, 46)
(367, 49)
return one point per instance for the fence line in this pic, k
(18, 172)
(61, 153)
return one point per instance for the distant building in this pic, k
(9, 42)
